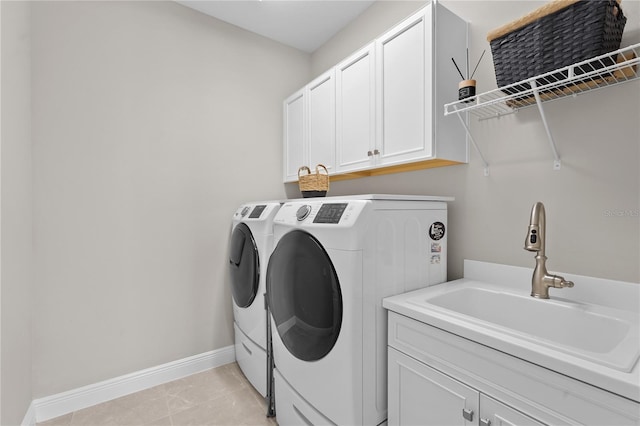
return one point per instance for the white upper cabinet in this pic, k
(355, 111)
(321, 121)
(405, 110)
(295, 141)
(381, 109)
(309, 127)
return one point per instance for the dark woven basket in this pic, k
(575, 33)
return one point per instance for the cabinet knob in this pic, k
(485, 422)
(369, 154)
(467, 414)
(376, 152)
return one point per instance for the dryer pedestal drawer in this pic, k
(252, 359)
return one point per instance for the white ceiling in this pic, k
(303, 24)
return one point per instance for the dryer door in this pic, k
(304, 296)
(244, 265)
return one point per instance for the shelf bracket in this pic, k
(473, 141)
(556, 158)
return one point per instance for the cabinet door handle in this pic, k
(467, 414)
(485, 422)
(369, 154)
(376, 152)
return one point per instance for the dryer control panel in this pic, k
(259, 212)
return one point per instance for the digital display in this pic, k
(330, 213)
(257, 211)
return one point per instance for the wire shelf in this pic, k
(606, 70)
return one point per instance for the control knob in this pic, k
(303, 212)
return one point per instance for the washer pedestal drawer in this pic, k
(292, 409)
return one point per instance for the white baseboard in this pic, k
(30, 417)
(49, 407)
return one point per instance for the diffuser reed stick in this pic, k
(474, 70)
(459, 72)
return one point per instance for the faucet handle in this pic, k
(559, 282)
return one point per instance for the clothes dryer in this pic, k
(250, 246)
(334, 261)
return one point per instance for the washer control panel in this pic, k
(330, 213)
(320, 213)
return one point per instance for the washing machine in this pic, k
(249, 250)
(333, 262)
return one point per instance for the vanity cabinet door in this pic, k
(355, 111)
(420, 395)
(404, 56)
(494, 413)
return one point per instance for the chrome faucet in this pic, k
(541, 280)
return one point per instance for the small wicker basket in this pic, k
(558, 34)
(313, 184)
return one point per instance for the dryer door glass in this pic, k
(244, 266)
(304, 296)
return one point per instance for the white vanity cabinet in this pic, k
(388, 102)
(438, 378)
(421, 395)
(495, 413)
(309, 127)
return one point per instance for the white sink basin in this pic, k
(599, 334)
(590, 332)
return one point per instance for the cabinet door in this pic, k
(322, 133)
(295, 154)
(420, 395)
(355, 111)
(404, 57)
(494, 413)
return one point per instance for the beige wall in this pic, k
(151, 124)
(16, 250)
(592, 203)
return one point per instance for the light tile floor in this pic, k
(220, 396)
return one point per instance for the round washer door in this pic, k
(304, 296)
(244, 266)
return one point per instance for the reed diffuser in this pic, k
(467, 87)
